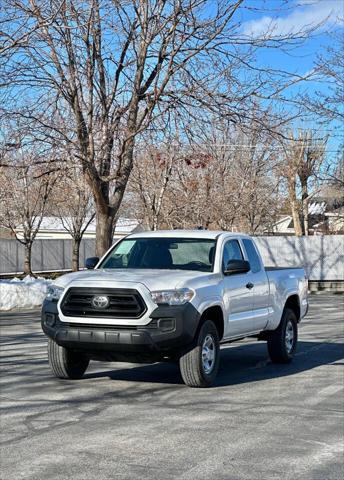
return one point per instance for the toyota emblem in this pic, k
(100, 301)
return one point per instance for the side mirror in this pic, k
(91, 262)
(237, 266)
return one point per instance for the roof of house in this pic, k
(317, 208)
(283, 219)
(55, 224)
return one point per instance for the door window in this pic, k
(231, 251)
(252, 255)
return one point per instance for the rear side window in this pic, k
(231, 251)
(252, 255)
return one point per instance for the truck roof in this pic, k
(210, 234)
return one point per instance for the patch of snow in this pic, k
(317, 208)
(57, 225)
(27, 293)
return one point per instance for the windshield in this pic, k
(162, 253)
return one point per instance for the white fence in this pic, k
(47, 255)
(321, 256)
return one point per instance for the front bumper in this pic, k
(171, 328)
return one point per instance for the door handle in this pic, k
(249, 285)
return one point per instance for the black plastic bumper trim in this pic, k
(170, 328)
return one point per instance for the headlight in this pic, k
(172, 297)
(54, 292)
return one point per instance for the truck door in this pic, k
(260, 286)
(237, 297)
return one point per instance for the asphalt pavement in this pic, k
(122, 421)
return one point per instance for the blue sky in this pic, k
(280, 18)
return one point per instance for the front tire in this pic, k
(66, 363)
(282, 342)
(199, 366)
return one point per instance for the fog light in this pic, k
(50, 319)
(166, 324)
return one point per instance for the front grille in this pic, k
(123, 303)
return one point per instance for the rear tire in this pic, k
(66, 363)
(199, 366)
(282, 342)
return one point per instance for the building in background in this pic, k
(325, 218)
(52, 227)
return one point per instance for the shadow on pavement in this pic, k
(239, 364)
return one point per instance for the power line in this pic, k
(236, 146)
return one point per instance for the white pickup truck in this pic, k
(172, 296)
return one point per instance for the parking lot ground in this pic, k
(123, 421)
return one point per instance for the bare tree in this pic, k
(293, 155)
(150, 180)
(25, 190)
(303, 157)
(223, 179)
(72, 200)
(111, 67)
(112, 94)
(247, 160)
(192, 190)
(337, 178)
(328, 103)
(308, 169)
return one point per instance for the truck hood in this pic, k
(152, 279)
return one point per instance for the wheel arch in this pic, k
(293, 303)
(215, 314)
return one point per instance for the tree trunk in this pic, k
(294, 207)
(305, 200)
(158, 204)
(75, 254)
(27, 258)
(104, 231)
(296, 218)
(107, 205)
(155, 222)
